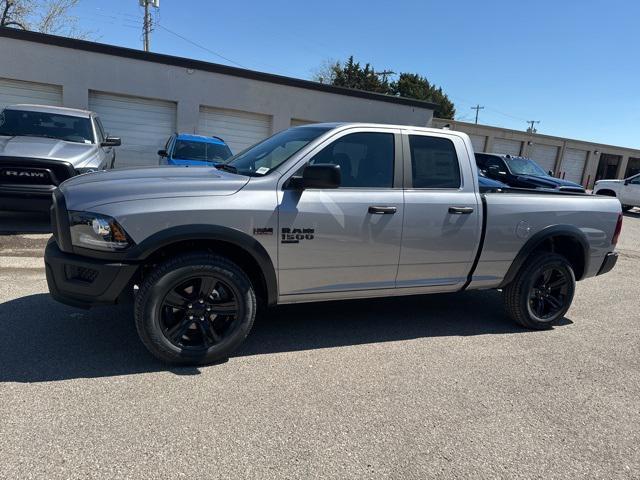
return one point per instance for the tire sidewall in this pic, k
(149, 326)
(533, 274)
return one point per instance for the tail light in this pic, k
(616, 233)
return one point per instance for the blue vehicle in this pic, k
(522, 172)
(487, 184)
(194, 150)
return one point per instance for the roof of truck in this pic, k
(332, 125)
(73, 112)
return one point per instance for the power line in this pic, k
(200, 46)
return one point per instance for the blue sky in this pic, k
(572, 64)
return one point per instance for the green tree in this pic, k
(412, 85)
(352, 74)
(46, 16)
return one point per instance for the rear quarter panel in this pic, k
(513, 218)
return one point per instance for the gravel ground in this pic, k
(442, 386)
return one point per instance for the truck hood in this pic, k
(77, 154)
(549, 182)
(90, 190)
(609, 182)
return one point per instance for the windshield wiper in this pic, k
(225, 167)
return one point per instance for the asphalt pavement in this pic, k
(441, 386)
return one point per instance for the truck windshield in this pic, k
(16, 123)
(201, 151)
(525, 166)
(274, 151)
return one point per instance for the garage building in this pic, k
(144, 97)
(579, 161)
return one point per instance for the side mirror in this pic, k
(111, 142)
(163, 153)
(494, 171)
(550, 173)
(318, 176)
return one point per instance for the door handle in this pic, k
(382, 210)
(461, 210)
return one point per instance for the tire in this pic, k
(528, 297)
(165, 327)
(626, 208)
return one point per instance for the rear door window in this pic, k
(434, 163)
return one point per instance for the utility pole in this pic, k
(531, 129)
(147, 26)
(477, 108)
(385, 74)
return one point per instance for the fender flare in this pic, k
(181, 233)
(536, 240)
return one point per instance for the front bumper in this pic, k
(85, 282)
(609, 262)
(25, 198)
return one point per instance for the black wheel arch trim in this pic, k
(536, 240)
(170, 236)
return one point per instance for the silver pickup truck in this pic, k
(319, 212)
(41, 146)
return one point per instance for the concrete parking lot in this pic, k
(442, 386)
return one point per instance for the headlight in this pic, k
(97, 232)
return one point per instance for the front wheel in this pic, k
(194, 309)
(542, 291)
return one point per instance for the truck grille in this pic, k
(33, 171)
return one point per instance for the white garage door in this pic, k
(505, 146)
(144, 125)
(573, 164)
(296, 122)
(478, 142)
(238, 129)
(15, 91)
(545, 156)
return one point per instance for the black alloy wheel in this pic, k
(541, 292)
(199, 313)
(194, 309)
(548, 293)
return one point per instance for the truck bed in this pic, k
(513, 217)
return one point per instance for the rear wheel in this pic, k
(195, 309)
(541, 292)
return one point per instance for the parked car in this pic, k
(315, 213)
(627, 191)
(194, 150)
(42, 146)
(521, 172)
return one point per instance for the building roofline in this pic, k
(124, 52)
(535, 135)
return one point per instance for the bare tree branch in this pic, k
(46, 16)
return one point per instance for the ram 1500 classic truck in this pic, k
(318, 212)
(42, 146)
